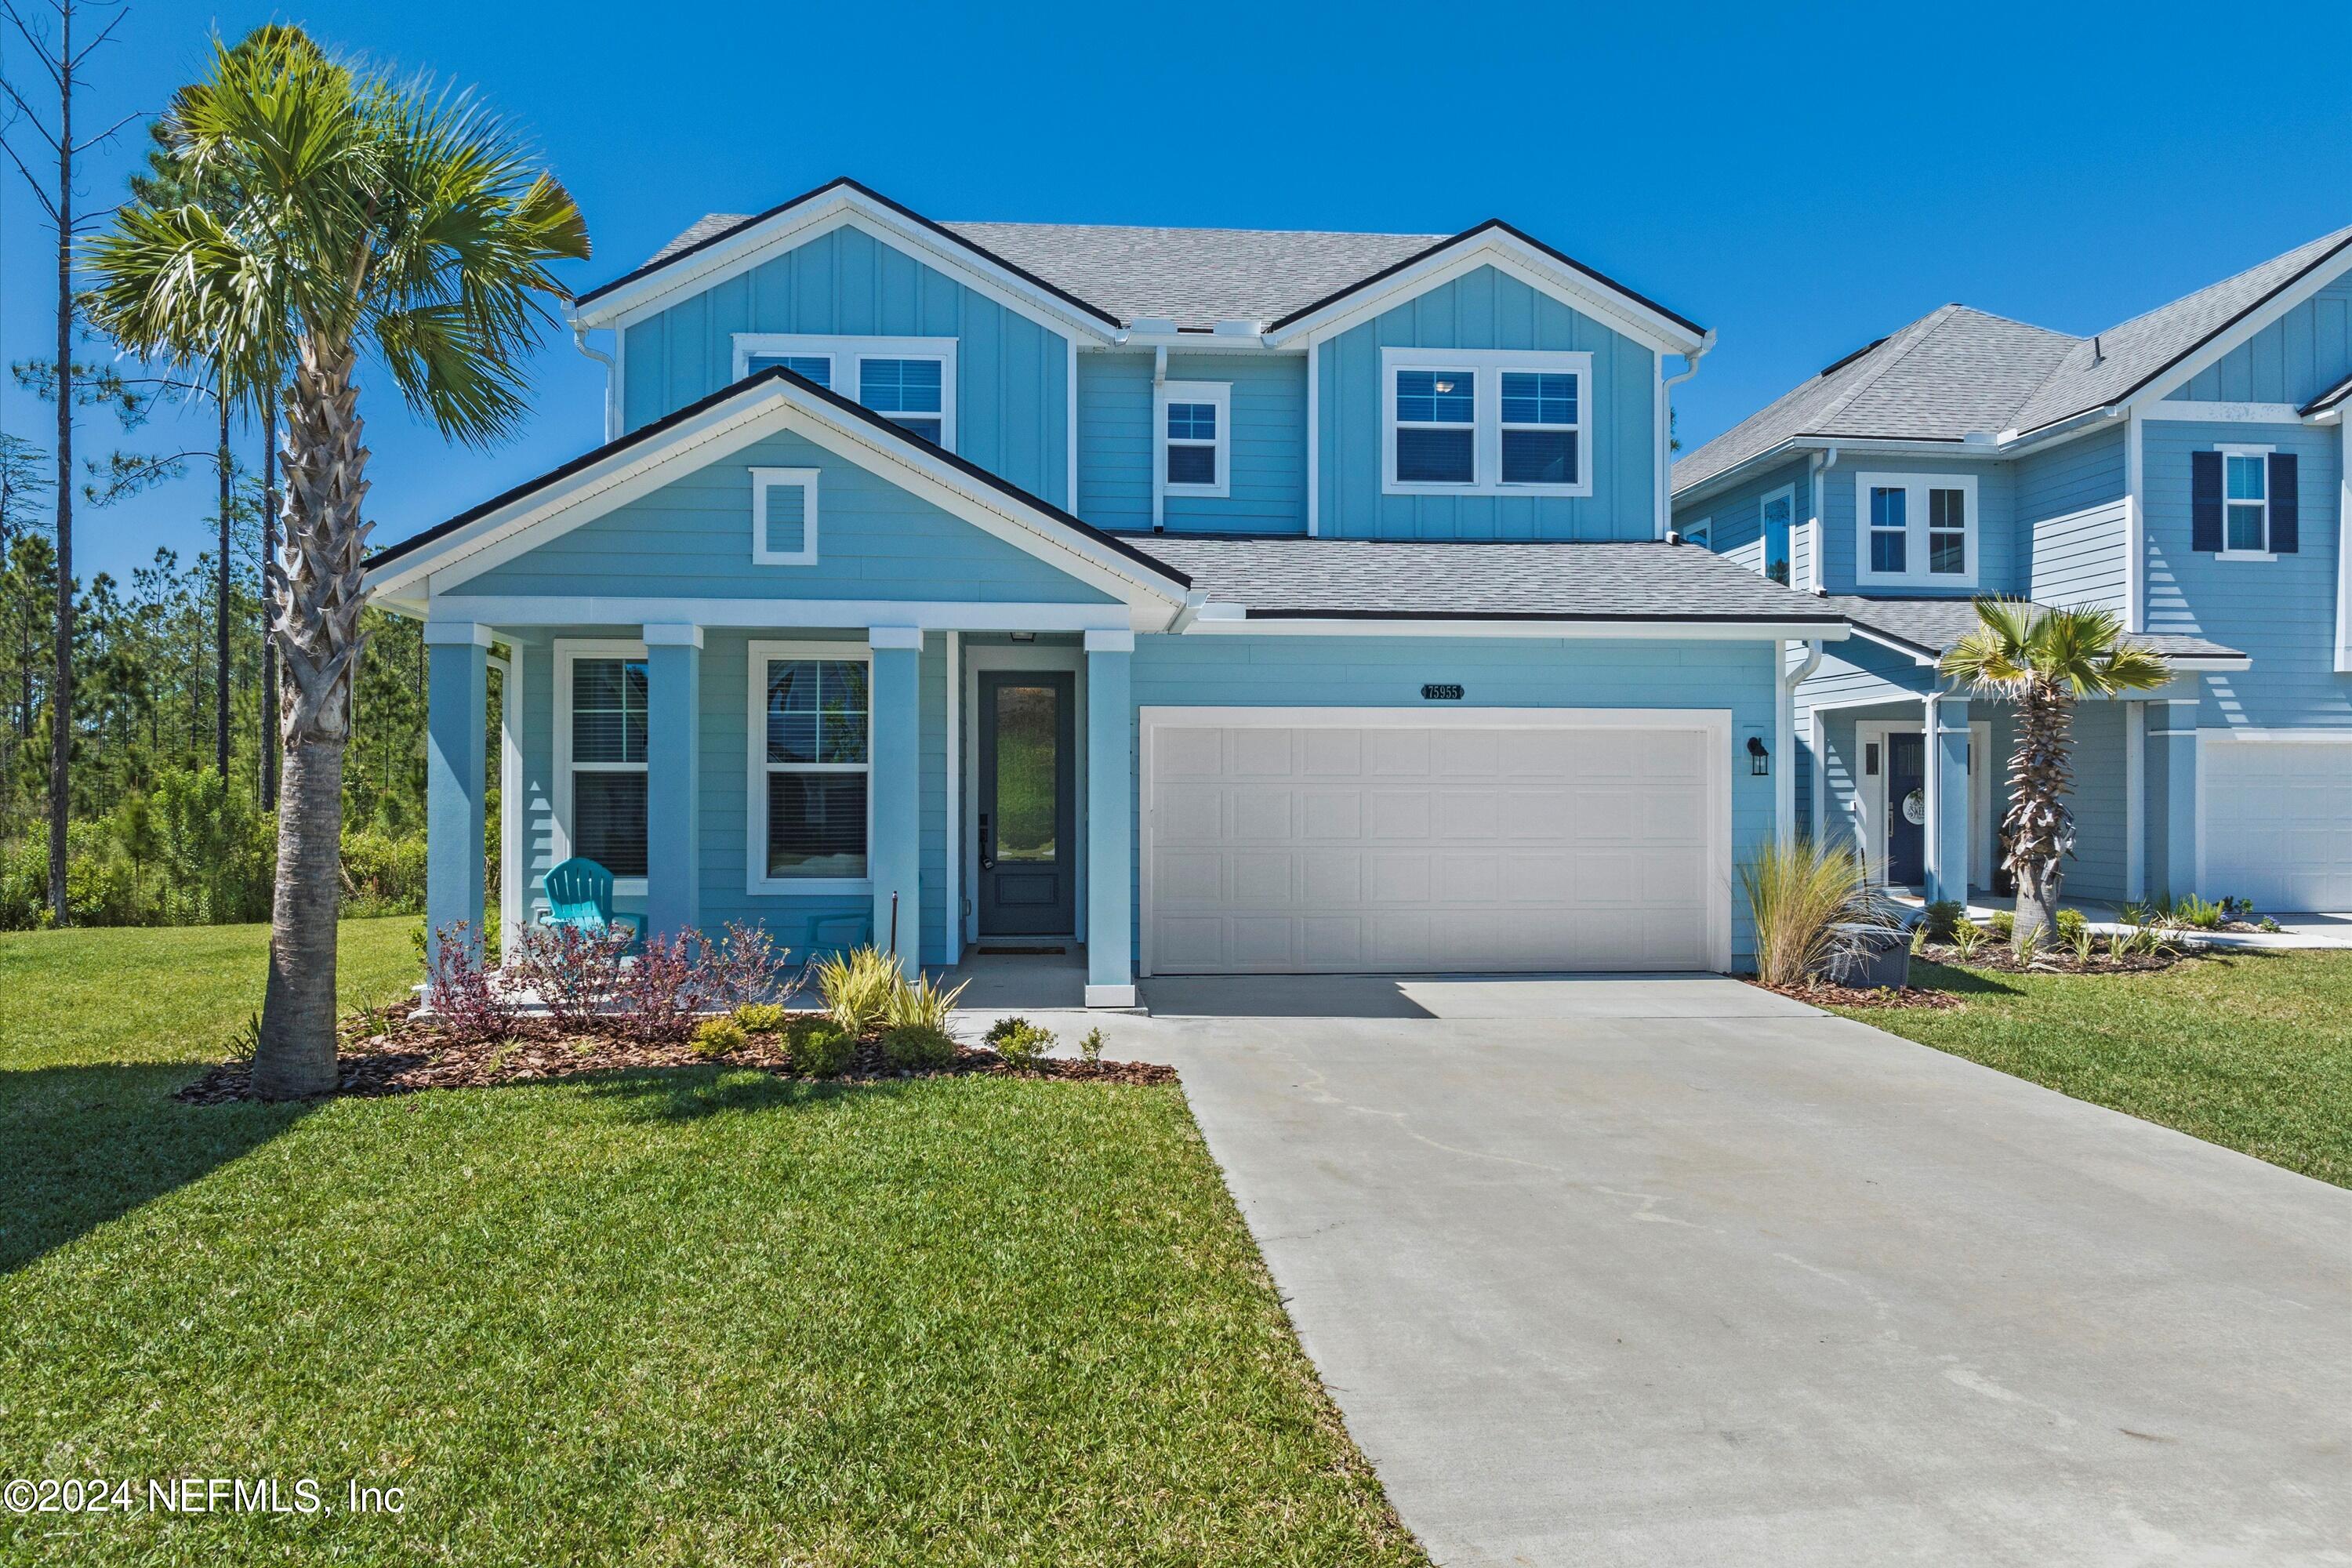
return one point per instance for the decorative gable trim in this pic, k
(1494, 244)
(773, 401)
(839, 203)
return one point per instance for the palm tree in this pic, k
(369, 216)
(2043, 660)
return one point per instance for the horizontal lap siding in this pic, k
(1371, 672)
(2293, 359)
(2075, 520)
(2282, 613)
(692, 537)
(2001, 564)
(1116, 447)
(1487, 310)
(1011, 374)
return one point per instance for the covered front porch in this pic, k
(936, 789)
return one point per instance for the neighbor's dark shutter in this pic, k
(2283, 503)
(2205, 501)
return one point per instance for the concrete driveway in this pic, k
(1675, 1271)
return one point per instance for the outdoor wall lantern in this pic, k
(1759, 760)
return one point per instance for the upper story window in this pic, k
(1486, 422)
(1196, 433)
(2245, 503)
(1779, 513)
(811, 756)
(601, 718)
(909, 381)
(1915, 528)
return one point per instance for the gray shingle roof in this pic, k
(1957, 370)
(1277, 578)
(1932, 626)
(1196, 276)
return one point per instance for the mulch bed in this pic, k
(1821, 994)
(385, 1052)
(1993, 953)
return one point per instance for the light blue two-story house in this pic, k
(2185, 469)
(1216, 601)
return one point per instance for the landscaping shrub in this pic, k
(716, 1037)
(1967, 936)
(918, 1046)
(2071, 926)
(744, 967)
(820, 1047)
(1019, 1041)
(574, 971)
(2192, 910)
(471, 1008)
(918, 1003)
(762, 1017)
(1090, 1048)
(658, 994)
(2003, 924)
(1942, 915)
(859, 987)
(1800, 894)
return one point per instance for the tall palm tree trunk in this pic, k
(269, 741)
(319, 598)
(2042, 830)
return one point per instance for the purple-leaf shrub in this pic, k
(661, 989)
(743, 966)
(575, 971)
(471, 1007)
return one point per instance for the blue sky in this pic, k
(1801, 179)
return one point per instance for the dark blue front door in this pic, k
(1028, 805)
(1907, 801)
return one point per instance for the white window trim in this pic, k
(1486, 367)
(1217, 393)
(2266, 553)
(1916, 514)
(1764, 530)
(569, 650)
(1701, 534)
(756, 879)
(764, 479)
(848, 356)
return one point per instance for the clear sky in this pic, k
(1803, 180)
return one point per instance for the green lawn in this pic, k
(2253, 1051)
(703, 1316)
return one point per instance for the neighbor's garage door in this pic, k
(1368, 840)
(2278, 821)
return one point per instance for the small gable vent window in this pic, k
(1484, 422)
(1915, 528)
(784, 517)
(2245, 503)
(1195, 437)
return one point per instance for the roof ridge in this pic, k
(1933, 323)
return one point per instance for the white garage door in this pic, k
(1365, 840)
(2278, 821)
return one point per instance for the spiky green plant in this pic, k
(2043, 661)
(859, 987)
(920, 1002)
(1800, 894)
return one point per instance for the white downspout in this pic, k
(1784, 785)
(1665, 432)
(1159, 466)
(612, 387)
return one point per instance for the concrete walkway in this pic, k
(1678, 1272)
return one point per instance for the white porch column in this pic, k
(456, 703)
(894, 831)
(1111, 816)
(1946, 829)
(673, 765)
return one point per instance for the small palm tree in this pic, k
(2043, 661)
(348, 214)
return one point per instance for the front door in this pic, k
(1028, 807)
(1907, 808)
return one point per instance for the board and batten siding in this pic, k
(1012, 375)
(1487, 309)
(2280, 613)
(1117, 445)
(2293, 359)
(692, 539)
(2074, 521)
(1500, 672)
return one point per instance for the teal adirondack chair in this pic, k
(580, 893)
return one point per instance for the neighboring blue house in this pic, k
(2185, 469)
(1223, 601)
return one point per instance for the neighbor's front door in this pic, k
(1028, 806)
(1906, 814)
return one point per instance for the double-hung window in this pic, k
(1778, 513)
(811, 738)
(601, 709)
(1486, 422)
(2245, 502)
(1915, 528)
(909, 381)
(1196, 432)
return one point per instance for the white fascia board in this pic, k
(530, 522)
(1207, 624)
(511, 610)
(843, 208)
(1508, 254)
(1896, 645)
